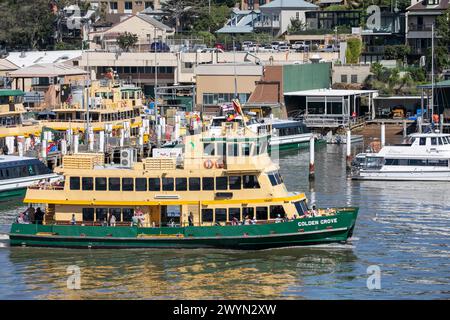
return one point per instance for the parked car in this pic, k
(209, 50)
(328, 48)
(219, 46)
(246, 45)
(237, 47)
(159, 47)
(283, 48)
(266, 48)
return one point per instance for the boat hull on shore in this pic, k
(299, 232)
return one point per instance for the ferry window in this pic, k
(438, 163)
(445, 139)
(100, 184)
(250, 212)
(440, 141)
(101, 214)
(23, 171)
(221, 215)
(128, 214)
(31, 171)
(116, 212)
(208, 183)
(194, 184)
(208, 149)
(235, 182)
(74, 183)
(277, 210)
(181, 184)
(114, 184)
(250, 182)
(272, 178)
(167, 184)
(301, 207)
(423, 141)
(261, 213)
(234, 213)
(391, 162)
(207, 215)
(88, 214)
(245, 149)
(233, 150)
(261, 147)
(221, 183)
(154, 184)
(87, 183)
(221, 149)
(417, 162)
(127, 184)
(141, 184)
(402, 162)
(433, 141)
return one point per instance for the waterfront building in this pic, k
(42, 83)
(147, 29)
(125, 7)
(419, 19)
(329, 108)
(276, 15)
(241, 22)
(253, 4)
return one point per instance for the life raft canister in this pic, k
(208, 164)
(220, 164)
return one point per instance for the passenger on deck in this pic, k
(39, 215)
(105, 223)
(73, 221)
(247, 220)
(278, 219)
(191, 219)
(32, 214)
(134, 221)
(112, 221)
(234, 221)
(253, 221)
(314, 212)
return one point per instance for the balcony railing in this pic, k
(420, 27)
(267, 24)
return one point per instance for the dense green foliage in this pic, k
(354, 47)
(127, 41)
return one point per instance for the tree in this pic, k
(213, 21)
(27, 24)
(296, 26)
(397, 52)
(442, 43)
(182, 12)
(354, 47)
(127, 40)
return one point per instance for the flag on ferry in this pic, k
(237, 106)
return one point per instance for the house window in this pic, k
(343, 78)
(354, 78)
(148, 4)
(128, 5)
(113, 5)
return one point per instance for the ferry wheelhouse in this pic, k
(424, 156)
(224, 192)
(285, 134)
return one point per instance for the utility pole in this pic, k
(432, 71)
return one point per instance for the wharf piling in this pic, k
(311, 159)
(349, 150)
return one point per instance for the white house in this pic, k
(276, 15)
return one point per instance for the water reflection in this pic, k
(176, 274)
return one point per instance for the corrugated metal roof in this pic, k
(328, 93)
(47, 70)
(7, 93)
(28, 58)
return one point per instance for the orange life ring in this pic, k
(208, 164)
(220, 164)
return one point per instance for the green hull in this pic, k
(307, 231)
(15, 193)
(296, 145)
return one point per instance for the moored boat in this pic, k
(423, 157)
(225, 192)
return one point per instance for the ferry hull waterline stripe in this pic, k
(300, 232)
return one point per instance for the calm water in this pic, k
(403, 227)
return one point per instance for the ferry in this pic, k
(110, 103)
(286, 134)
(222, 192)
(17, 173)
(423, 157)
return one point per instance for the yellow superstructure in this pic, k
(217, 179)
